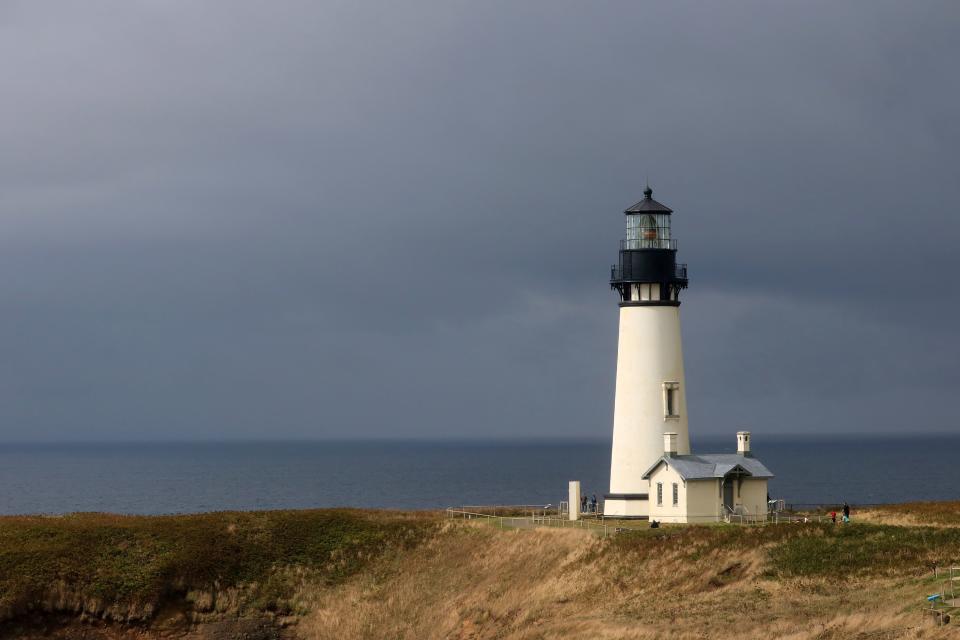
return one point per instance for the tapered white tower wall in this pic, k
(650, 397)
(649, 366)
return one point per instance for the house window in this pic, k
(659, 494)
(676, 494)
(671, 399)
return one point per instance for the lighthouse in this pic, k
(650, 398)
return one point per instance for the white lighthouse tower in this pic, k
(651, 395)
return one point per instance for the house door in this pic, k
(728, 493)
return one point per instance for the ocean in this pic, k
(191, 477)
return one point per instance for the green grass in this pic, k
(864, 549)
(140, 561)
(824, 550)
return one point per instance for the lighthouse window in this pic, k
(659, 494)
(671, 400)
(676, 494)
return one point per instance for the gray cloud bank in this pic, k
(341, 219)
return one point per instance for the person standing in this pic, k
(593, 503)
(833, 517)
(846, 512)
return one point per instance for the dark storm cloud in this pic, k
(310, 219)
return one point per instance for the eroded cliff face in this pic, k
(76, 628)
(196, 606)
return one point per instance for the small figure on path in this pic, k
(833, 517)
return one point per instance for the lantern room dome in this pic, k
(648, 205)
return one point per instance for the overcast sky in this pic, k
(303, 219)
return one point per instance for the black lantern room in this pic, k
(648, 273)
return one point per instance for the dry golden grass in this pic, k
(931, 514)
(477, 582)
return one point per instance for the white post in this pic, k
(574, 500)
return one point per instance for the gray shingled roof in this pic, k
(712, 465)
(648, 204)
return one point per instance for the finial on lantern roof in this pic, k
(648, 204)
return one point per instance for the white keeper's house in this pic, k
(708, 487)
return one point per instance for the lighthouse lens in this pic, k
(648, 231)
(649, 228)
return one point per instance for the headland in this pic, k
(381, 574)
